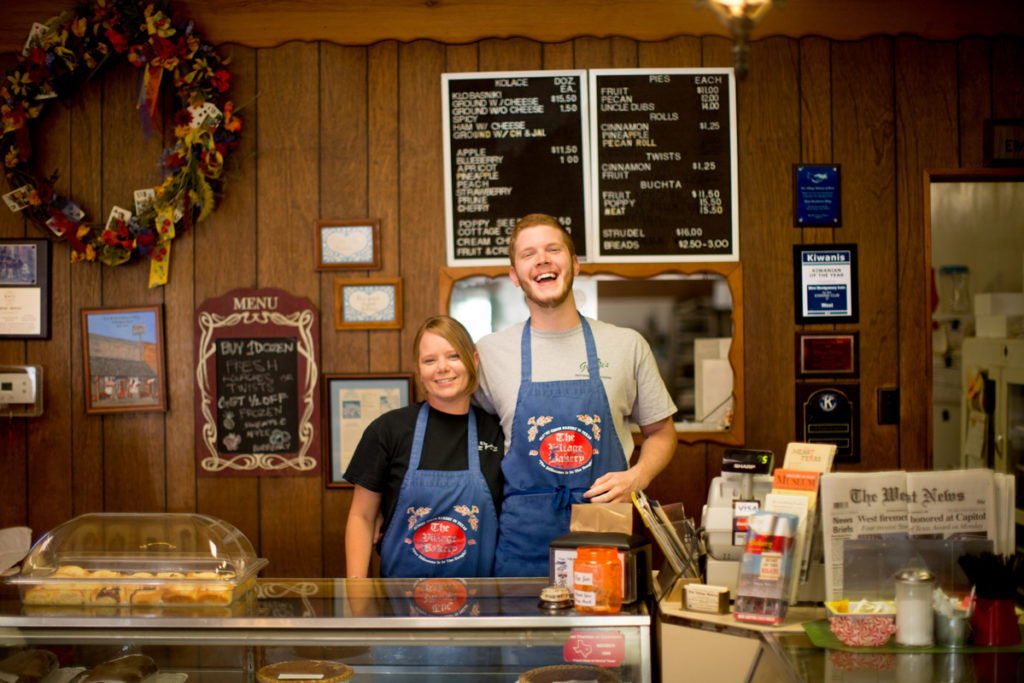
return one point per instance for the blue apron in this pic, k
(445, 522)
(563, 438)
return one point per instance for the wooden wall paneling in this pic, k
(47, 448)
(769, 143)
(344, 193)
(678, 53)
(815, 101)
(510, 54)
(864, 144)
(613, 53)
(420, 168)
(926, 137)
(287, 184)
(134, 462)
(13, 439)
(461, 58)
(386, 188)
(974, 82)
(558, 55)
(225, 259)
(1007, 84)
(85, 432)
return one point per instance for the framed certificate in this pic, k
(24, 289)
(825, 283)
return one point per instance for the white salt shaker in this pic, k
(914, 622)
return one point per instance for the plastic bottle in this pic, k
(597, 580)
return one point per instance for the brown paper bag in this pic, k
(603, 517)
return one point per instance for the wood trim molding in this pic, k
(258, 23)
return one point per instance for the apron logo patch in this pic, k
(439, 540)
(566, 450)
(535, 424)
(594, 422)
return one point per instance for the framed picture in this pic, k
(353, 402)
(368, 304)
(124, 359)
(825, 283)
(348, 244)
(24, 289)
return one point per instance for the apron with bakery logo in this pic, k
(563, 438)
(445, 522)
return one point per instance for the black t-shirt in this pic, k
(381, 458)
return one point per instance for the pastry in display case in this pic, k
(139, 559)
(305, 671)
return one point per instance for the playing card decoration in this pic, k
(68, 50)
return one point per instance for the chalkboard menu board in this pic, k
(515, 143)
(663, 163)
(256, 390)
(257, 384)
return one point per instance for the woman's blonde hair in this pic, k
(452, 331)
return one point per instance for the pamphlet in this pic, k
(809, 457)
(794, 504)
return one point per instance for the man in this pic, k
(566, 389)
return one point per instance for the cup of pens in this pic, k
(995, 579)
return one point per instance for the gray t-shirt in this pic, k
(636, 393)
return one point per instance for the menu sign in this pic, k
(664, 165)
(515, 143)
(257, 389)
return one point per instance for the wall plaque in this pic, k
(825, 283)
(826, 355)
(828, 414)
(257, 389)
(817, 198)
(514, 144)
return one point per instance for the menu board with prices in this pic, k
(515, 144)
(664, 165)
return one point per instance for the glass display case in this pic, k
(383, 629)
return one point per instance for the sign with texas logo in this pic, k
(257, 384)
(564, 449)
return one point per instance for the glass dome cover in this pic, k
(126, 558)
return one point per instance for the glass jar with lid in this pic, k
(597, 580)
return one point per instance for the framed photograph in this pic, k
(827, 354)
(825, 283)
(368, 304)
(24, 289)
(353, 402)
(124, 359)
(348, 244)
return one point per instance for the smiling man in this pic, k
(566, 388)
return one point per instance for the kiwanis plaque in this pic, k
(515, 144)
(663, 164)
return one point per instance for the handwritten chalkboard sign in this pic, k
(257, 389)
(663, 163)
(515, 143)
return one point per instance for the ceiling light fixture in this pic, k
(740, 17)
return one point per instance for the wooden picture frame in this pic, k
(123, 351)
(25, 288)
(350, 244)
(353, 402)
(368, 304)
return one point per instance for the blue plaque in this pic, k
(816, 196)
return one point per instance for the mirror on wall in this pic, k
(690, 314)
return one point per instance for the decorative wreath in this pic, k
(71, 48)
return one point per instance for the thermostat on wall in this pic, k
(21, 390)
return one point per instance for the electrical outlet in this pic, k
(889, 405)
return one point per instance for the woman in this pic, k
(432, 470)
